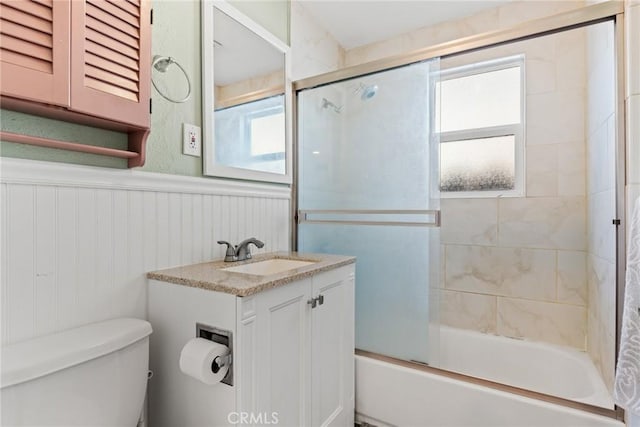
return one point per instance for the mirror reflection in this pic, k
(249, 113)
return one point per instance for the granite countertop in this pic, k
(210, 276)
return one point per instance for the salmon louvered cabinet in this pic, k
(34, 50)
(90, 57)
(106, 61)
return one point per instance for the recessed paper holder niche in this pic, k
(220, 336)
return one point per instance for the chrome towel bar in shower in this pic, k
(414, 218)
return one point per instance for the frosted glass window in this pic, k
(480, 100)
(480, 125)
(252, 135)
(267, 134)
(485, 164)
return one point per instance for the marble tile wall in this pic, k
(632, 100)
(601, 242)
(542, 321)
(518, 266)
(537, 293)
(505, 16)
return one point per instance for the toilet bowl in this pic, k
(94, 375)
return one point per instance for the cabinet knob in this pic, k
(320, 299)
(313, 302)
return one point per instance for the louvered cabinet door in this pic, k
(34, 50)
(111, 59)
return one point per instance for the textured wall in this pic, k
(176, 33)
(31, 125)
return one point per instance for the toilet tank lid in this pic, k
(28, 360)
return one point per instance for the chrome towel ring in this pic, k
(161, 63)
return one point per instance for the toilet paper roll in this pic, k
(202, 359)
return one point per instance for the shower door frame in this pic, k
(582, 17)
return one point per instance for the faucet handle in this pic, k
(229, 245)
(231, 251)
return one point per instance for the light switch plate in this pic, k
(191, 140)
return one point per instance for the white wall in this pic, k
(77, 241)
(271, 14)
(313, 50)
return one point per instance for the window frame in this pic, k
(248, 119)
(515, 129)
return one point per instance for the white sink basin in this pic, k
(268, 267)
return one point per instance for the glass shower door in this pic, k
(367, 160)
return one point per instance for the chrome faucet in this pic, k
(242, 250)
(239, 252)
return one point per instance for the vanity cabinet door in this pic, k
(332, 349)
(111, 59)
(295, 359)
(34, 50)
(282, 377)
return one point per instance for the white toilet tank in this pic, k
(94, 375)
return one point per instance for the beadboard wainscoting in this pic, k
(77, 240)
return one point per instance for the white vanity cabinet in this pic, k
(293, 360)
(297, 356)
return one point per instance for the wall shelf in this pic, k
(64, 145)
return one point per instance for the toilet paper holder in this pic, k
(221, 336)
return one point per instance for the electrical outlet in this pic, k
(191, 140)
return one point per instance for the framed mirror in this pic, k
(246, 98)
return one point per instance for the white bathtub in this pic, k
(545, 368)
(392, 395)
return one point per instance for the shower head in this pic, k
(369, 92)
(366, 91)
